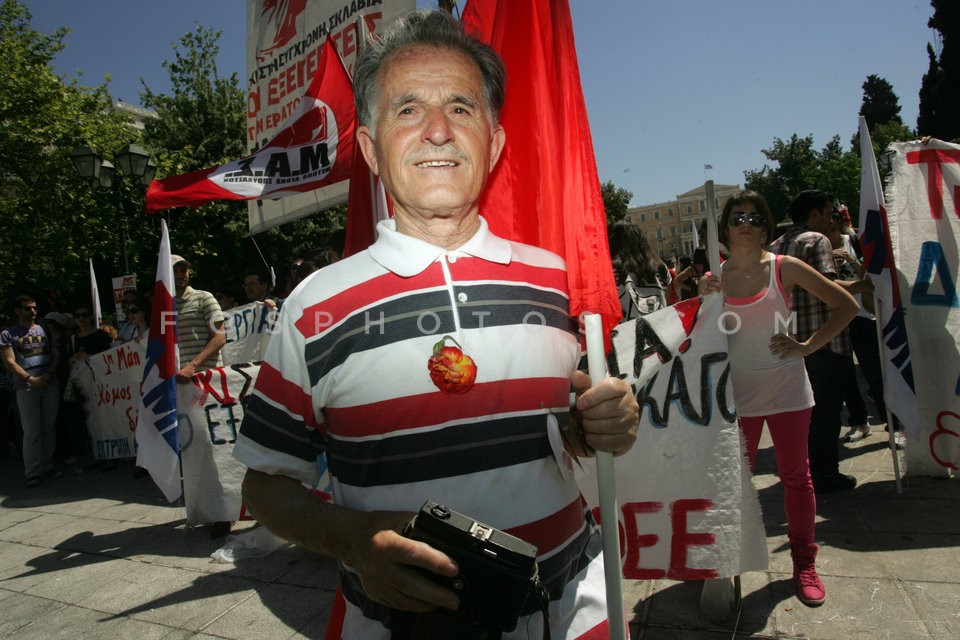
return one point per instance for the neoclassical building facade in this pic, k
(668, 226)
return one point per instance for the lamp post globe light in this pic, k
(133, 163)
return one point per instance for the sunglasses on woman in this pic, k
(737, 218)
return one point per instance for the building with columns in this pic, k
(668, 226)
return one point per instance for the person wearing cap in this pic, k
(31, 357)
(199, 324)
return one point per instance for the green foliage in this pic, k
(615, 201)
(880, 103)
(940, 88)
(797, 169)
(50, 221)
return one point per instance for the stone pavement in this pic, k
(101, 555)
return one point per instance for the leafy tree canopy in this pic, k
(51, 222)
(880, 103)
(615, 201)
(940, 88)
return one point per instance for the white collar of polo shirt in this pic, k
(407, 256)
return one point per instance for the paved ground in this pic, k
(100, 555)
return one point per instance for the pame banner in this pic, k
(688, 509)
(924, 218)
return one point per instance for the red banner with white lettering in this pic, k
(314, 149)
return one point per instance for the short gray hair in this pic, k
(426, 28)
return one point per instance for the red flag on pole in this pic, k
(367, 202)
(545, 190)
(315, 148)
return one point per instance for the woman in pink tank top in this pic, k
(766, 364)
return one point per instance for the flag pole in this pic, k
(95, 297)
(713, 237)
(606, 482)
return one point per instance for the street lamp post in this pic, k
(133, 163)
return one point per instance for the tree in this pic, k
(880, 103)
(615, 201)
(801, 167)
(50, 221)
(797, 162)
(940, 88)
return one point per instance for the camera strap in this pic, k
(543, 600)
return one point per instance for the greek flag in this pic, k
(158, 442)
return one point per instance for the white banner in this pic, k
(209, 414)
(688, 509)
(924, 218)
(248, 331)
(283, 44)
(110, 385)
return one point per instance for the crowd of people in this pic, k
(51, 436)
(428, 99)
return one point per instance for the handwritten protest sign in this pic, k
(924, 220)
(110, 385)
(688, 510)
(248, 331)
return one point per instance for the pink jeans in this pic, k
(789, 434)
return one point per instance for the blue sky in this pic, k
(670, 85)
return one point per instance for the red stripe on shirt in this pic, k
(273, 386)
(320, 316)
(326, 313)
(553, 531)
(388, 416)
(465, 270)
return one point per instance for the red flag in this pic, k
(367, 204)
(367, 200)
(545, 190)
(314, 149)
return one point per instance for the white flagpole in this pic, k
(95, 296)
(713, 238)
(607, 486)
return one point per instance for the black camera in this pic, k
(498, 572)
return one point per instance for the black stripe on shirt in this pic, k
(451, 451)
(275, 429)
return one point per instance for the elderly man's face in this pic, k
(434, 143)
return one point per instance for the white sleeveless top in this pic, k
(763, 383)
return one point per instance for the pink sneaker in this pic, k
(810, 589)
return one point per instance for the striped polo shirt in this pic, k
(346, 372)
(197, 313)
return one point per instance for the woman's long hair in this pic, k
(631, 254)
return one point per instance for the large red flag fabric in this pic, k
(545, 190)
(314, 149)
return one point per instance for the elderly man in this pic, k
(436, 365)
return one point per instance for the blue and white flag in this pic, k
(899, 391)
(158, 441)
